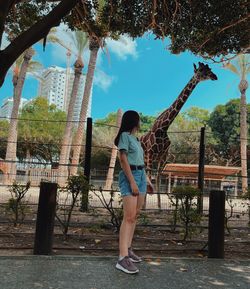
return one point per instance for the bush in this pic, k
(187, 212)
(116, 214)
(16, 204)
(76, 190)
(246, 205)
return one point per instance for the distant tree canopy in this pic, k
(110, 119)
(184, 134)
(4, 126)
(208, 28)
(40, 130)
(225, 124)
(146, 122)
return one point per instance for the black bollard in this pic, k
(87, 164)
(216, 224)
(45, 219)
(201, 170)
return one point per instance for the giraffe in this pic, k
(156, 142)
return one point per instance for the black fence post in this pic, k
(216, 224)
(201, 170)
(45, 219)
(87, 163)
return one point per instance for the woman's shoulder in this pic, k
(125, 134)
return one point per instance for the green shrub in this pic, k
(186, 208)
(16, 205)
(76, 191)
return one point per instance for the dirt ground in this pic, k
(92, 234)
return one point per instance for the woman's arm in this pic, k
(127, 171)
(150, 187)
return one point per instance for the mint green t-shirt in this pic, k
(133, 148)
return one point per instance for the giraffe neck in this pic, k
(167, 117)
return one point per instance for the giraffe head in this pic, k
(204, 72)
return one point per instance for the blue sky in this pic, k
(138, 74)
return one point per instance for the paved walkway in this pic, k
(66, 272)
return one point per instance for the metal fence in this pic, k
(35, 170)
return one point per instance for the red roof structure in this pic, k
(191, 171)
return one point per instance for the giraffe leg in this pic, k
(160, 168)
(148, 172)
(158, 189)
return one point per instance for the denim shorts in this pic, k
(140, 179)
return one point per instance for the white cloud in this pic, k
(123, 47)
(103, 80)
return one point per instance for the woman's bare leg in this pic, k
(128, 223)
(139, 205)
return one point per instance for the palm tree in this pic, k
(19, 73)
(241, 67)
(94, 44)
(22, 65)
(80, 41)
(110, 175)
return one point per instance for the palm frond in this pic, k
(101, 4)
(232, 68)
(52, 37)
(243, 62)
(80, 40)
(34, 66)
(72, 37)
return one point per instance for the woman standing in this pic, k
(133, 186)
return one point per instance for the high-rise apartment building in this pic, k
(56, 86)
(6, 107)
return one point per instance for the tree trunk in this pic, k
(18, 82)
(110, 175)
(35, 33)
(67, 137)
(243, 134)
(94, 47)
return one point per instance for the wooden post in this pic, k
(216, 224)
(45, 219)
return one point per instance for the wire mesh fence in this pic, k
(182, 163)
(38, 160)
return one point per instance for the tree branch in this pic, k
(38, 31)
(5, 7)
(225, 28)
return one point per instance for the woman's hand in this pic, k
(134, 189)
(150, 187)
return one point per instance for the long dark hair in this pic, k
(130, 120)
